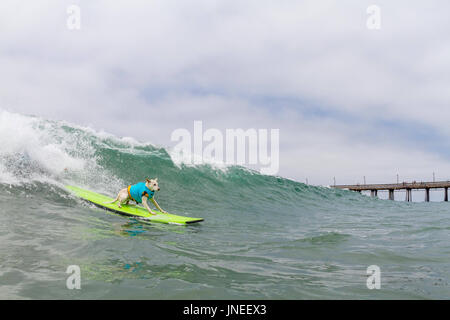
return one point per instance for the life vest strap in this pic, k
(129, 193)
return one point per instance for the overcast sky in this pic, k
(349, 101)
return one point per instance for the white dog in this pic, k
(139, 194)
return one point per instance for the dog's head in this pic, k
(152, 184)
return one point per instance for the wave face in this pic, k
(263, 236)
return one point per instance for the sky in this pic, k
(350, 101)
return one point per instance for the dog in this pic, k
(139, 193)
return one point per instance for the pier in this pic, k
(407, 186)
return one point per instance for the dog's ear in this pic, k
(156, 179)
(147, 180)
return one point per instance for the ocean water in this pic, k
(263, 237)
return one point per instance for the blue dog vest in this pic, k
(137, 191)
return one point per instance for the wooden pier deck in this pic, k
(391, 187)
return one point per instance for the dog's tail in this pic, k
(112, 201)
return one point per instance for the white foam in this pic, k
(33, 149)
(104, 135)
(35, 141)
(193, 160)
(53, 153)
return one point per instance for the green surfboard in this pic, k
(137, 212)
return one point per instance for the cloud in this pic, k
(349, 101)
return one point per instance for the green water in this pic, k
(263, 237)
